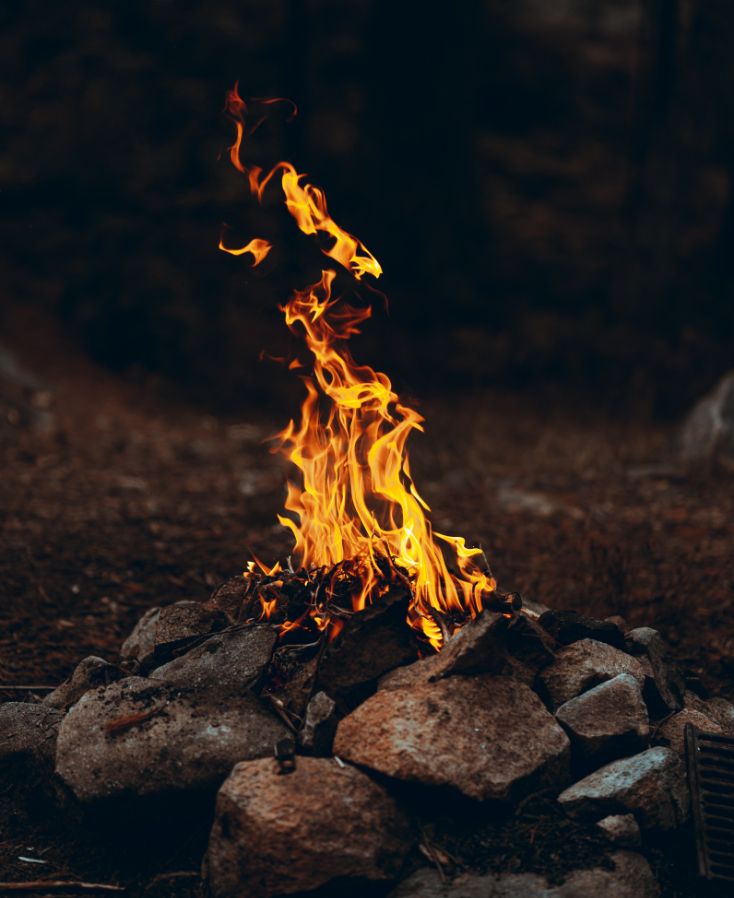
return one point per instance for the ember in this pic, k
(359, 523)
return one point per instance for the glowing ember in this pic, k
(359, 523)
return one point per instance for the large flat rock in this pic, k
(651, 785)
(278, 834)
(487, 736)
(140, 737)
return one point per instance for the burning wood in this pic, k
(359, 523)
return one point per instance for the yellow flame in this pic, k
(258, 247)
(356, 499)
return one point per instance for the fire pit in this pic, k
(372, 714)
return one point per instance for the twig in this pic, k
(128, 721)
(58, 885)
(277, 706)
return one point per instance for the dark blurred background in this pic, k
(547, 185)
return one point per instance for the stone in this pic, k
(317, 733)
(608, 721)
(630, 878)
(651, 785)
(529, 646)
(621, 830)
(141, 642)
(162, 633)
(666, 689)
(233, 660)
(570, 626)
(490, 643)
(90, 673)
(706, 437)
(372, 642)
(427, 883)
(476, 648)
(28, 731)
(423, 671)
(28, 735)
(142, 737)
(229, 598)
(583, 665)
(721, 711)
(278, 834)
(486, 736)
(673, 731)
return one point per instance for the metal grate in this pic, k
(711, 778)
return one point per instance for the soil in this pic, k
(132, 497)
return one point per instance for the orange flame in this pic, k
(356, 500)
(258, 247)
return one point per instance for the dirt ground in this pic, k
(123, 496)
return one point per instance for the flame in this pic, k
(258, 247)
(356, 511)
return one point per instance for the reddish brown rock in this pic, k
(489, 644)
(717, 709)
(672, 732)
(721, 711)
(422, 671)
(608, 721)
(489, 737)
(477, 648)
(277, 834)
(582, 665)
(372, 642)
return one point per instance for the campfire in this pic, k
(489, 747)
(360, 526)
